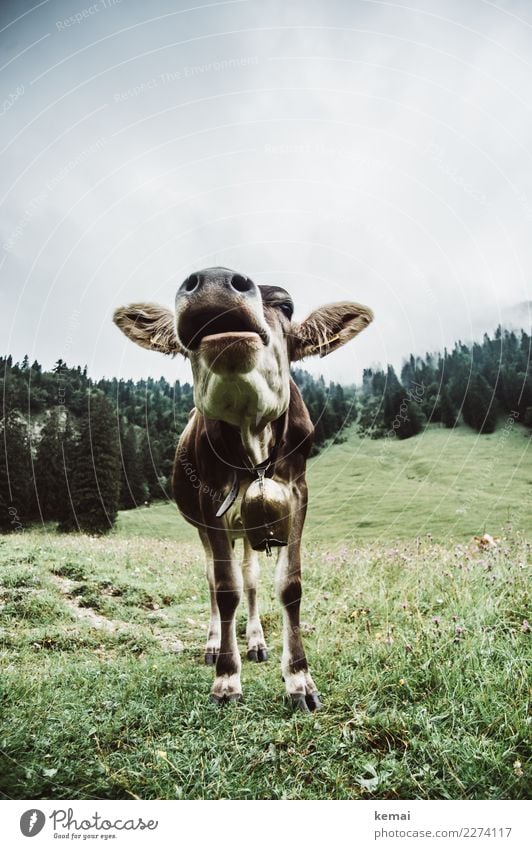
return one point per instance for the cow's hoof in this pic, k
(222, 700)
(299, 702)
(258, 655)
(226, 688)
(313, 701)
(210, 658)
(304, 703)
(302, 690)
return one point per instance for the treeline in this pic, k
(74, 451)
(473, 384)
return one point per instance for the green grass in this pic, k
(419, 645)
(451, 484)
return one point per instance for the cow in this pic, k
(239, 469)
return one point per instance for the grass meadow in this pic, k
(419, 642)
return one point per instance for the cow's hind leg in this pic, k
(212, 646)
(228, 589)
(298, 681)
(257, 650)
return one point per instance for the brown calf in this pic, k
(239, 470)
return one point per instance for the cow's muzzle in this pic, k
(213, 307)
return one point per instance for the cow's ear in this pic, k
(150, 326)
(328, 328)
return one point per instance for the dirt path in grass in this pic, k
(110, 626)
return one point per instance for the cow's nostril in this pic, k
(191, 283)
(241, 284)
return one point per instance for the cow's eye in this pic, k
(287, 308)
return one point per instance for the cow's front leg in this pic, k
(257, 651)
(298, 682)
(228, 589)
(212, 646)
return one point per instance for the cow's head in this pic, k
(240, 339)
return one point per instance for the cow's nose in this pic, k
(231, 283)
(241, 284)
(191, 284)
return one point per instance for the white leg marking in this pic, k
(251, 571)
(212, 646)
(228, 581)
(298, 682)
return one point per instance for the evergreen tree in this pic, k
(95, 486)
(53, 467)
(133, 490)
(49, 480)
(69, 448)
(448, 413)
(370, 420)
(150, 460)
(15, 473)
(482, 378)
(479, 405)
(401, 413)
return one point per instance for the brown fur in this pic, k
(149, 325)
(213, 449)
(209, 451)
(328, 328)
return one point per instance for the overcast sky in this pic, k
(364, 150)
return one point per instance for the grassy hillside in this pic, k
(450, 484)
(421, 650)
(420, 653)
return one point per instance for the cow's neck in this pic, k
(250, 403)
(258, 445)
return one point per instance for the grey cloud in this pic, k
(344, 150)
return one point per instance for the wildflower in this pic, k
(436, 621)
(518, 771)
(525, 627)
(459, 633)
